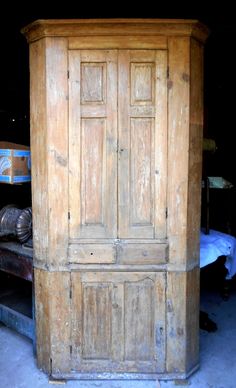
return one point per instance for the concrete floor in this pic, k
(218, 355)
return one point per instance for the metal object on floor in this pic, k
(24, 225)
(16, 222)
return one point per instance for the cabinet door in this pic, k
(93, 143)
(118, 322)
(142, 143)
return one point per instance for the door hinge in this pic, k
(68, 74)
(168, 72)
(70, 292)
(166, 212)
(68, 215)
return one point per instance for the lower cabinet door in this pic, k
(118, 322)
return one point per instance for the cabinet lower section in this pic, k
(118, 322)
(95, 323)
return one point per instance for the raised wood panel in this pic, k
(142, 144)
(142, 253)
(96, 321)
(142, 154)
(139, 302)
(142, 83)
(93, 83)
(92, 170)
(121, 318)
(92, 253)
(93, 144)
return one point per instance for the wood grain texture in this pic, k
(182, 321)
(116, 130)
(142, 133)
(97, 27)
(42, 319)
(195, 153)
(57, 149)
(92, 253)
(38, 148)
(117, 42)
(49, 150)
(52, 295)
(93, 143)
(142, 253)
(111, 334)
(178, 147)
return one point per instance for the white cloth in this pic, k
(217, 244)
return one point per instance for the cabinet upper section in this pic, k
(115, 27)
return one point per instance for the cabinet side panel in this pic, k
(195, 152)
(178, 147)
(42, 319)
(192, 319)
(57, 148)
(38, 143)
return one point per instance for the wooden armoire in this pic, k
(116, 141)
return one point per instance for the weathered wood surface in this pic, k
(118, 322)
(116, 150)
(49, 149)
(115, 27)
(53, 322)
(195, 152)
(182, 305)
(142, 144)
(93, 144)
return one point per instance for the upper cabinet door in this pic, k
(93, 143)
(142, 120)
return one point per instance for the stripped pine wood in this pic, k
(116, 138)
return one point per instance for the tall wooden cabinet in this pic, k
(116, 143)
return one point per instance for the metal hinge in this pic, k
(168, 72)
(166, 212)
(68, 74)
(70, 293)
(68, 215)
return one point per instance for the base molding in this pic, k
(124, 376)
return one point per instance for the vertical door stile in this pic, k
(161, 138)
(74, 143)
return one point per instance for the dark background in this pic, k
(219, 80)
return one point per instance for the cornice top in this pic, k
(114, 27)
